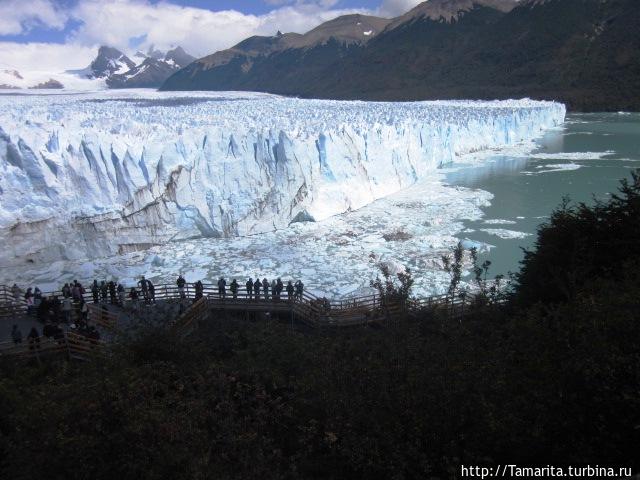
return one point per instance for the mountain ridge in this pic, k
(582, 52)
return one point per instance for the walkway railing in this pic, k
(307, 308)
(68, 344)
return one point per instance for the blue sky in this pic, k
(46, 34)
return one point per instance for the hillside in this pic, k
(585, 53)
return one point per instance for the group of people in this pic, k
(52, 308)
(254, 289)
(68, 308)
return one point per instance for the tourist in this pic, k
(234, 288)
(103, 291)
(66, 309)
(15, 291)
(279, 287)
(256, 288)
(16, 335)
(199, 287)
(274, 290)
(66, 290)
(74, 291)
(95, 291)
(181, 283)
(299, 289)
(249, 287)
(265, 288)
(222, 287)
(152, 291)
(122, 295)
(290, 290)
(29, 299)
(37, 297)
(144, 288)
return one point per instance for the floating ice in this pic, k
(499, 221)
(572, 155)
(505, 234)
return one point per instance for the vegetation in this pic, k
(550, 378)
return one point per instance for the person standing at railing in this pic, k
(222, 287)
(16, 292)
(234, 288)
(122, 295)
(28, 297)
(152, 291)
(103, 291)
(77, 291)
(249, 287)
(16, 335)
(95, 291)
(279, 287)
(299, 289)
(290, 290)
(274, 290)
(37, 297)
(66, 290)
(181, 283)
(256, 288)
(265, 288)
(144, 288)
(199, 288)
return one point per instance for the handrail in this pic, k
(308, 304)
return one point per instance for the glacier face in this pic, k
(87, 175)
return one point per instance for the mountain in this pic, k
(585, 53)
(50, 84)
(14, 80)
(10, 79)
(109, 61)
(248, 65)
(119, 71)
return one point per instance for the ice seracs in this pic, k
(97, 174)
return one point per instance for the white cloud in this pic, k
(163, 24)
(394, 8)
(19, 16)
(45, 56)
(199, 31)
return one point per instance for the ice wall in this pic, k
(87, 175)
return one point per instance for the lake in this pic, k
(584, 159)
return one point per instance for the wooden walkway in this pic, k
(306, 309)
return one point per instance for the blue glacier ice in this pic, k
(93, 174)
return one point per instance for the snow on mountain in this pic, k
(14, 79)
(97, 174)
(152, 71)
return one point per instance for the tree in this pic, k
(391, 291)
(454, 268)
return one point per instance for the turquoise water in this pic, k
(583, 160)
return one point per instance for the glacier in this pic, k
(87, 175)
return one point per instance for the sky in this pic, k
(55, 35)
